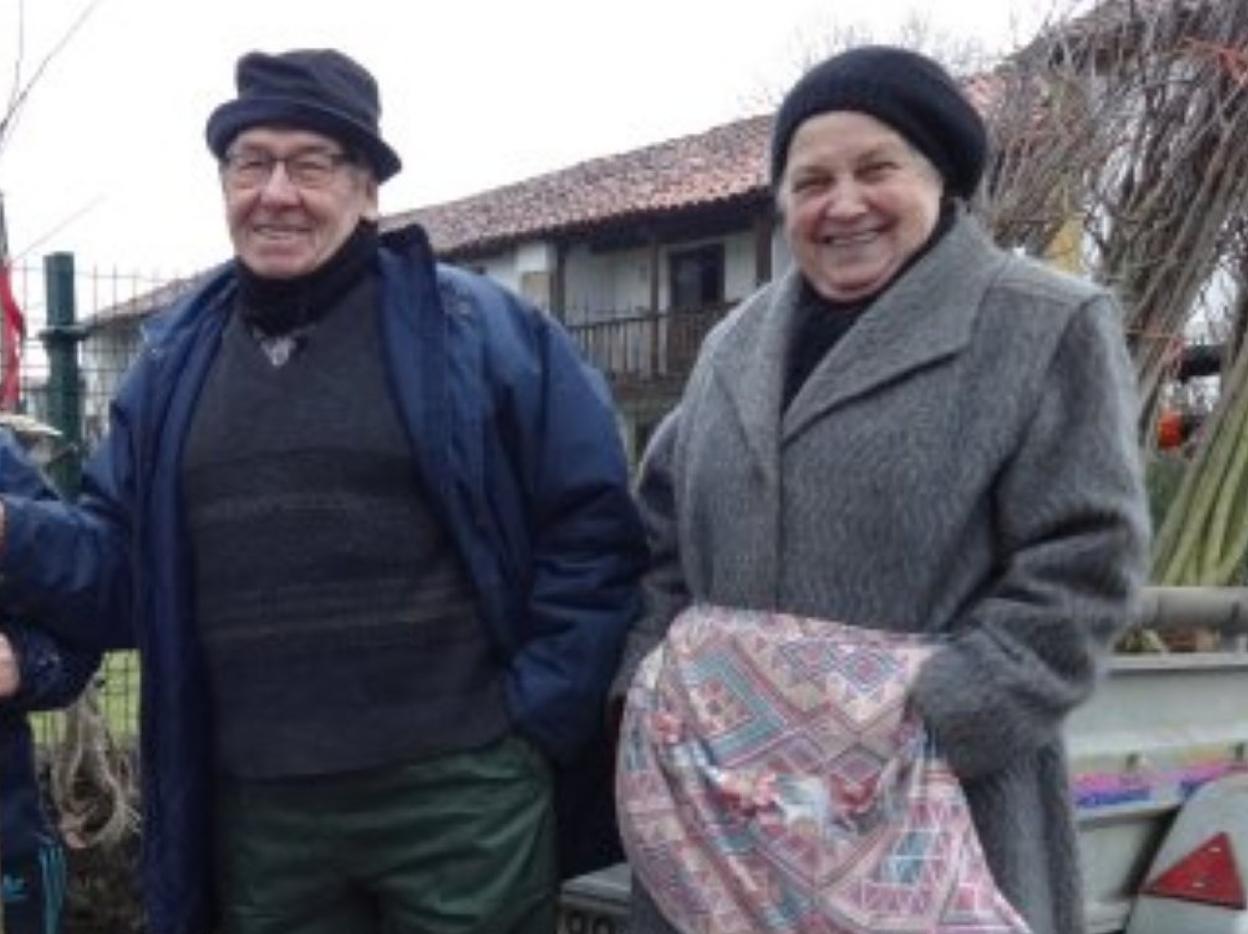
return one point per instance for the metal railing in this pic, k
(647, 347)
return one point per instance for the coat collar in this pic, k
(928, 314)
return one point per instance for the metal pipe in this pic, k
(62, 337)
(1175, 608)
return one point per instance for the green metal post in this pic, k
(61, 338)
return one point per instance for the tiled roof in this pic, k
(724, 164)
(145, 303)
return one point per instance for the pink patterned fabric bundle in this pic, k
(772, 778)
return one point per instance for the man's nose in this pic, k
(278, 186)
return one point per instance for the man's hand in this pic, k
(10, 674)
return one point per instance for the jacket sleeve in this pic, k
(65, 564)
(1072, 529)
(664, 588)
(52, 672)
(587, 547)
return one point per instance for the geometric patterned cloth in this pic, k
(772, 778)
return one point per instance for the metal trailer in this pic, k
(1160, 727)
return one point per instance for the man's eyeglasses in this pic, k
(313, 168)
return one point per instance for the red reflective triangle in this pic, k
(1208, 874)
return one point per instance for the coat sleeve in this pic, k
(52, 671)
(587, 553)
(1072, 529)
(664, 588)
(66, 564)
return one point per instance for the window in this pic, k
(697, 277)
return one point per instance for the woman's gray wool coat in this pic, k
(962, 463)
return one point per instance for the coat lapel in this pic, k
(749, 363)
(928, 314)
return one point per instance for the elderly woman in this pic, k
(916, 432)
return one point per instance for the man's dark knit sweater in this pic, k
(338, 622)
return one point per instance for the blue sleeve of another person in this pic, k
(53, 672)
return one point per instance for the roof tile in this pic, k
(722, 164)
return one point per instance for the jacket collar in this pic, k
(926, 315)
(216, 289)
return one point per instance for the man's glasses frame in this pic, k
(246, 169)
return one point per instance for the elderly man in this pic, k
(368, 520)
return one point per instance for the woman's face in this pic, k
(858, 201)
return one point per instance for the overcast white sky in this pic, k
(474, 94)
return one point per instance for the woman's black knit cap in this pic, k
(909, 92)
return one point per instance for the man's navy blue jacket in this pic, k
(512, 435)
(52, 675)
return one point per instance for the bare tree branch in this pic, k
(19, 58)
(961, 54)
(1128, 123)
(21, 91)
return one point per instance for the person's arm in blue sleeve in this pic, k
(66, 565)
(42, 672)
(50, 673)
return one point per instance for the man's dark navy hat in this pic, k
(312, 89)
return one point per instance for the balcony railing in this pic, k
(648, 348)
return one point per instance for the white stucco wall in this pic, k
(616, 283)
(598, 285)
(535, 256)
(781, 258)
(501, 267)
(739, 273)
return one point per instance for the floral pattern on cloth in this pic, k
(772, 778)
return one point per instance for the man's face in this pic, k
(284, 227)
(858, 201)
